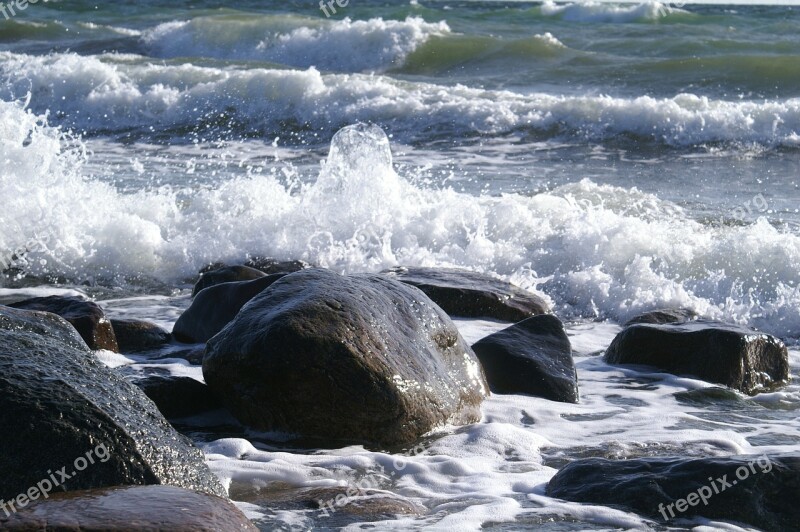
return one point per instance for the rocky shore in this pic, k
(334, 360)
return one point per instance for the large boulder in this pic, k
(731, 355)
(139, 335)
(129, 508)
(61, 410)
(760, 491)
(357, 358)
(226, 274)
(532, 357)
(472, 295)
(214, 307)
(176, 396)
(86, 316)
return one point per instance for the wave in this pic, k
(335, 45)
(118, 94)
(594, 11)
(595, 250)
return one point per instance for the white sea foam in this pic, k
(119, 92)
(336, 45)
(594, 11)
(595, 250)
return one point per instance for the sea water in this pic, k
(614, 158)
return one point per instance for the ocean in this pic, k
(612, 157)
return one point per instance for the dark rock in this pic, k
(532, 357)
(129, 508)
(354, 358)
(194, 355)
(472, 295)
(178, 397)
(139, 335)
(721, 353)
(59, 403)
(272, 266)
(766, 497)
(226, 274)
(670, 315)
(213, 308)
(87, 317)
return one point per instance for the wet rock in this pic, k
(532, 357)
(734, 356)
(139, 335)
(759, 491)
(226, 274)
(670, 315)
(178, 397)
(472, 295)
(213, 308)
(87, 317)
(349, 358)
(272, 266)
(58, 403)
(129, 508)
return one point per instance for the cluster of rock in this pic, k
(366, 358)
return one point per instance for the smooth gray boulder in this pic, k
(731, 355)
(214, 307)
(761, 491)
(532, 357)
(61, 410)
(472, 295)
(359, 358)
(226, 274)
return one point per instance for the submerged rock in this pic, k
(178, 397)
(214, 307)
(86, 316)
(731, 355)
(226, 274)
(139, 335)
(129, 508)
(760, 491)
(355, 358)
(532, 357)
(59, 405)
(472, 295)
(670, 315)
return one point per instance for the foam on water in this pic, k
(495, 471)
(594, 11)
(335, 45)
(117, 93)
(595, 250)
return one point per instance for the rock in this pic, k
(720, 353)
(87, 317)
(357, 358)
(213, 308)
(664, 488)
(178, 397)
(472, 295)
(139, 335)
(129, 508)
(272, 266)
(226, 274)
(532, 357)
(674, 315)
(59, 405)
